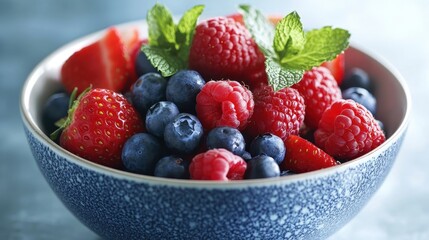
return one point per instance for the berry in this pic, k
(280, 113)
(148, 90)
(54, 109)
(102, 64)
(142, 64)
(228, 138)
(159, 115)
(132, 45)
(320, 90)
(270, 145)
(303, 156)
(224, 103)
(348, 130)
(217, 164)
(98, 124)
(183, 134)
(224, 49)
(172, 167)
(262, 166)
(182, 89)
(357, 78)
(141, 152)
(361, 96)
(337, 67)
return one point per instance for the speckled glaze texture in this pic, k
(122, 208)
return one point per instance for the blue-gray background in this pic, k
(29, 30)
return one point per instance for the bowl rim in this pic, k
(30, 124)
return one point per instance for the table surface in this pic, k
(394, 29)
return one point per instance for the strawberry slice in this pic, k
(303, 156)
(132, 45)
(102, 64)
(337, 67)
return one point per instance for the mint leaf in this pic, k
(163, 60)
(280, 77)
(289, 36)
(260, 27)
(321, 45)
(161, 27)
(185, 30)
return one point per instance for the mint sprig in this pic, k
(292, 50)
(169, 43)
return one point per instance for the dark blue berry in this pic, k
(143, 65)
(183, 134)
(54, 109)
(357, 78)
(228, 138)
(141, 152)
(361, 96)
(380, 123)
(148, 90)
(262, 166)
(183, 88)
(246, 156)
(270, 145)
(159, 115)
(172, 167)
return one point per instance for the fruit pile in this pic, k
(228, 98)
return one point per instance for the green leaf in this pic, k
(161, 27)
(280, 77)
(260, 27)
(185, 30)
(164, 60)
(321, 45)
(289, 37)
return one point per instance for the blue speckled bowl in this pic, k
(121, 205)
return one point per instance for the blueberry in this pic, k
(357, 78)
(361, 96)
(54, 109)
(183, 88)
(270, 145)
(148, 90)
(246, 156)
(159, 115)
(183, 134)
(141, 152)
(143, 65)
(228, 138)
(262, 166)
(381, 124)
(172, 167)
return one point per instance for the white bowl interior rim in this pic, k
(62, 53)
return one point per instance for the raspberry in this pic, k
(319, 89)
(217, 164)
(223, 48)
(348, 130)
(280, 113)
(224, 103)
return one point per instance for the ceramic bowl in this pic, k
(122, 205)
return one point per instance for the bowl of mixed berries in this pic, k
(233, 127)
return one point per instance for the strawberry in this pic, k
(337, 67)
(132, 45)
(102, 64)
(303, 156)
(98, 124)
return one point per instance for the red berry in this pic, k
(224, 103)
(102, 64)
(303, 156)
(337, 67)
(320, 90)
(348, 130)
(99, 124)
(224, 49)
(217, 164)
(280, 113)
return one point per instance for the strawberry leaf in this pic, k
(280, 77)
